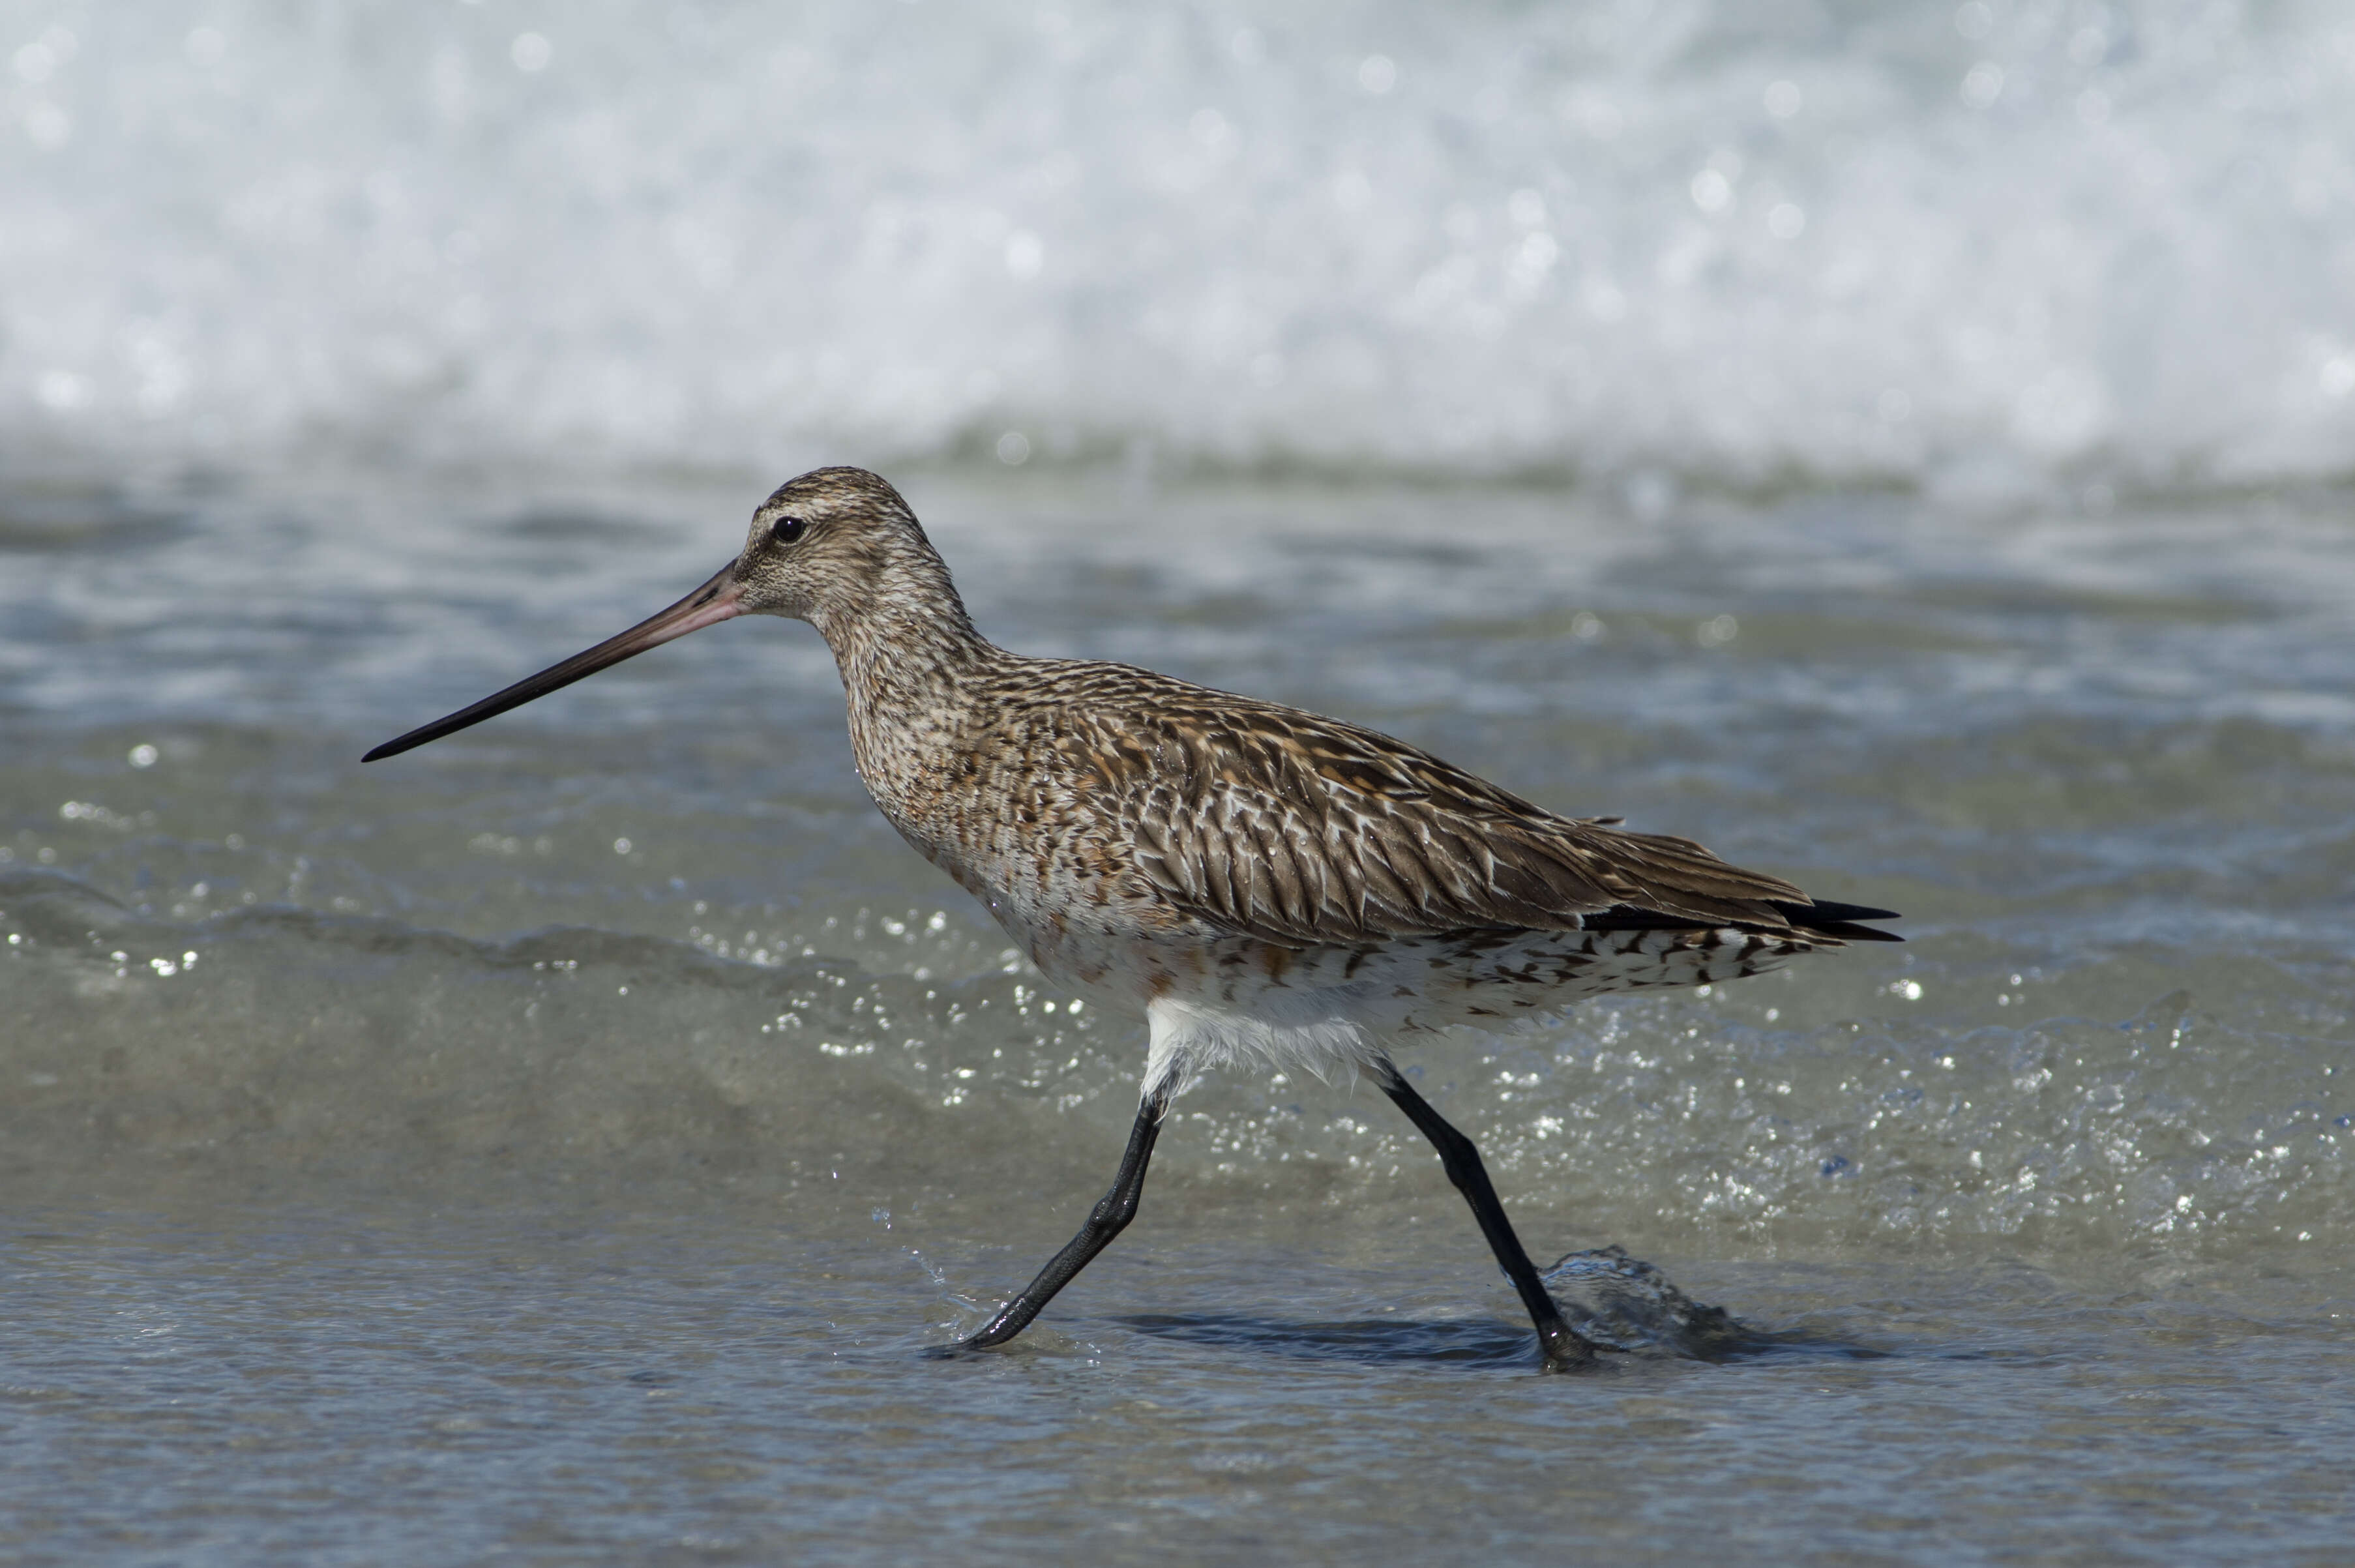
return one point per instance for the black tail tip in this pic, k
(1840, 919)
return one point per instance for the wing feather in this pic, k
(1273, 823)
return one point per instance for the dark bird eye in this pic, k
(785, 530)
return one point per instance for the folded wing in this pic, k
(1304, 831)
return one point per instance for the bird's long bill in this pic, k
(718, 600)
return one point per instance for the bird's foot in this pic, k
(989, 1336)
(1567, 1350)
(956, 1349)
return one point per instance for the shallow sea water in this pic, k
(564, 1143)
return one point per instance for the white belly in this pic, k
(1237, 1004)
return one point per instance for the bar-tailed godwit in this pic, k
(1271, 889)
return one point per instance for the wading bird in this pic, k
(1271, 889)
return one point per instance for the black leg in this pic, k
(1561, 1344)
(1107, 1220)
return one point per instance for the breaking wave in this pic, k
(1969, 248)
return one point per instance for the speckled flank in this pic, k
(1267, 885)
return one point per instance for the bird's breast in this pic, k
(1055, 873)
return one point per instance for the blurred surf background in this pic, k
(1904, 446)
(1992, 247)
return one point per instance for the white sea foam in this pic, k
(2012, 242)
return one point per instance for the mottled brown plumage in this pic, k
(1268, 887)
(1081, 799)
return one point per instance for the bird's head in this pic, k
(830, 547)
